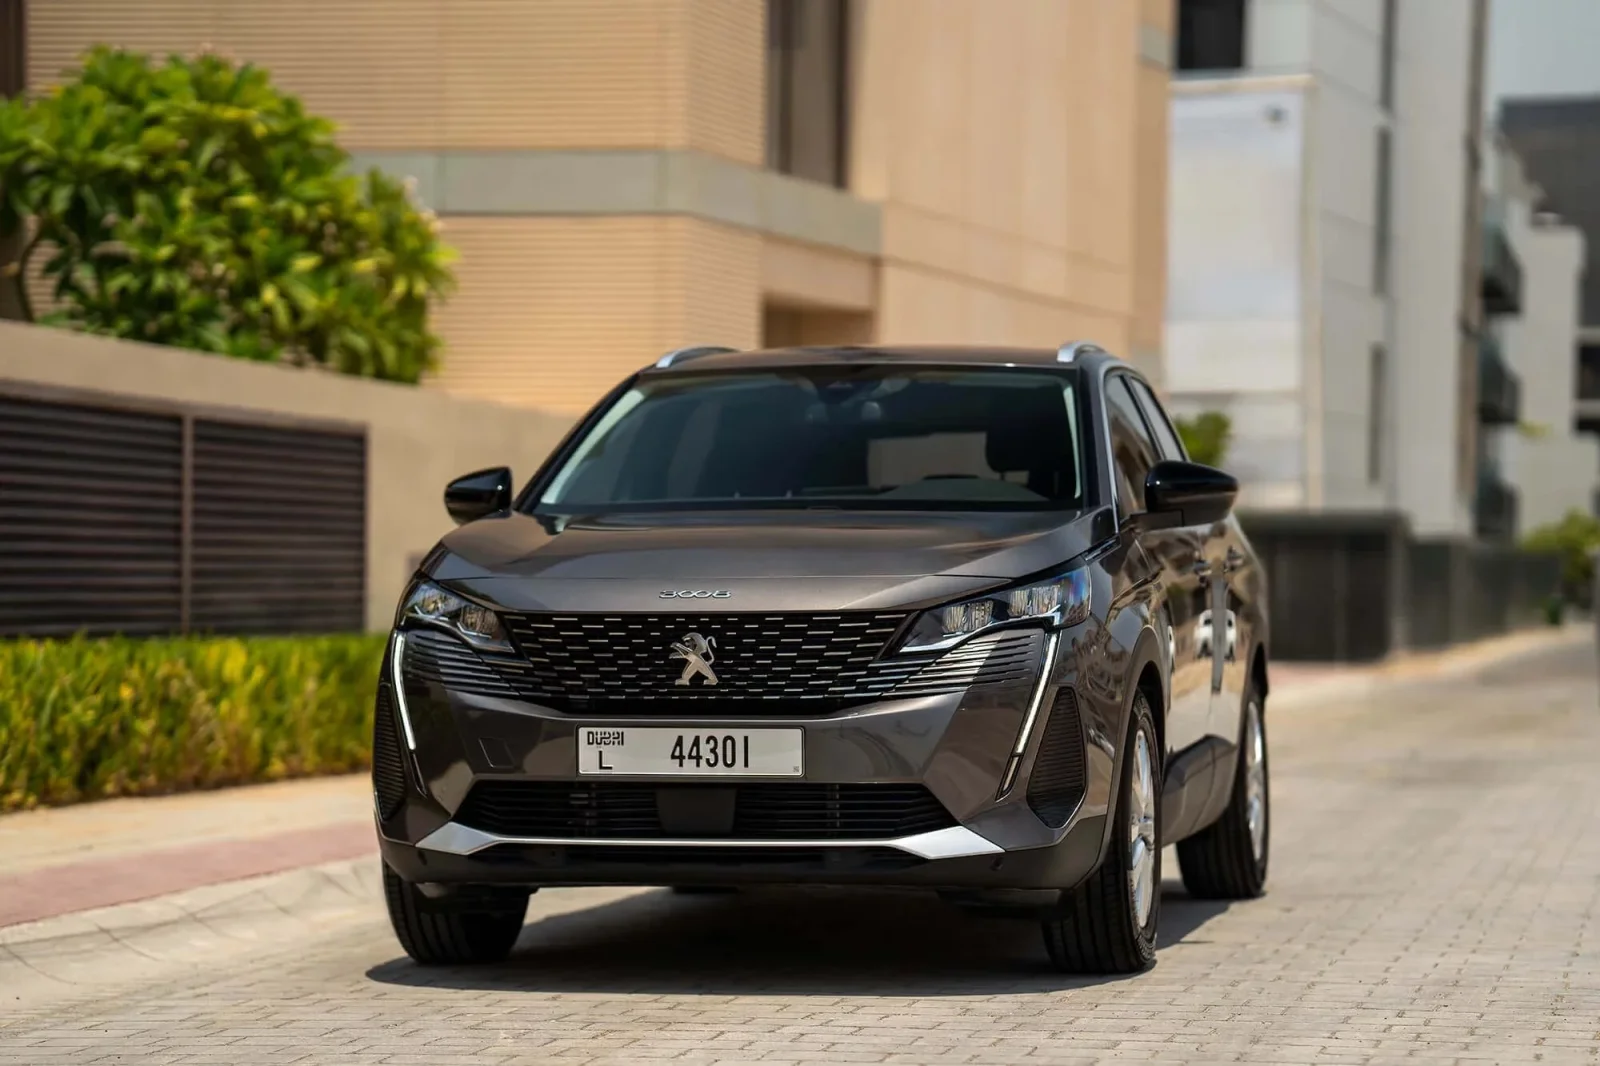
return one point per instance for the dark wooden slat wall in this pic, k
(279, 529)
(90, 515)
(150, 522)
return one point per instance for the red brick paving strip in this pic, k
(82, 886)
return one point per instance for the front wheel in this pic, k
(1228, 859)
(1109, 922)
(475, 926)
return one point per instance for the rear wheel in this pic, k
(1108, 924)
(1228, 859)
(472, 926)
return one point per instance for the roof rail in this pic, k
(1072, 349)
(680, 355)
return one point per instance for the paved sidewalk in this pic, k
(71, 859)
(67, 859)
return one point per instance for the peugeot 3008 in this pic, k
(848, 616)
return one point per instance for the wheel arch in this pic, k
(1258, 670)
(1143, 676)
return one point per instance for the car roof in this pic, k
(1086, 355)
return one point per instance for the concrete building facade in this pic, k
(1553, 467)
(622, 177)
(1329, 301)
(1558, 141)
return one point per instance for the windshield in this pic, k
(864, 436)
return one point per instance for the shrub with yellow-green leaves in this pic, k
(93, 718)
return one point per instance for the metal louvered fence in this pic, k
(149, 520)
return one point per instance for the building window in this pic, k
(1380, 214)
(1589, 372)
(1211, 34)
(13, 48)
(1386, 73)
(808, 91)
(1375, 416)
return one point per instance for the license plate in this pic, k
(666, 752)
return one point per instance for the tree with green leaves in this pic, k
(1575, 539)
(1206, 436)
(192, 203)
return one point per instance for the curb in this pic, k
(1449, 663)
(88, 885)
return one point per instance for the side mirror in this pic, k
(1177, 493)
(479, 494)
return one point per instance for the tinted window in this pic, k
(1211, 34)
(808, 59)
(1132, 449)
(1171, 447)
(869, 436)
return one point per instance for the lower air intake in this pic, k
(1056, 787)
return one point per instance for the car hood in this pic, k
(813, 560)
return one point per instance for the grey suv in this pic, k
(932, 617)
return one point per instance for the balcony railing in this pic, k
(1502, 274)
(1495, 507)
(1499, 390)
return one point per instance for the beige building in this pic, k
(625, 176)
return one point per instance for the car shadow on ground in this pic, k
(782, 942)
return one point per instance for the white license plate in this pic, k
(670, 752)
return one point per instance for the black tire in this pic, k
(1099, 931)
(1220, 861)
(472, 927)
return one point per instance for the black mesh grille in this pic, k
(790, 811)
(438, 658)
(779, 860)
(388, 771)
(1056, 786)
(611, 664)
(630, 656)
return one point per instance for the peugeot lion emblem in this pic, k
(697, 656)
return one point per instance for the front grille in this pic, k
(1057, 783)
(616, 810)
(583, 658)
(777, 860)
(438, 658)
(810, 860)
(388, 766)
(764, 664)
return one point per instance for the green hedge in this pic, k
(89, 718)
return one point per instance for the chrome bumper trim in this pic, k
(1046, 674)
(397, 682)
(956, 842)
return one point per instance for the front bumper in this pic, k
(438, 740)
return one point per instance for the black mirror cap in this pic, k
(1189, 494)
(478, 495)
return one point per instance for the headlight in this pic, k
(432, 605)
(1064, 600)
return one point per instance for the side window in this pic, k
(1166, 436)
(1133, 451)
